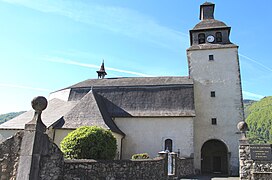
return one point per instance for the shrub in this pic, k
(89, 142)
(140, 156)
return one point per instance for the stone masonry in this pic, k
(115, 170)
(250, 169)
(9, 156)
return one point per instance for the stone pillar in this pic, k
(164, 155)
(245, 160)
(174, 157)
(34, 143)
(244, 153)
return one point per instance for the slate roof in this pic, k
(133, 81)
(148, 101)
(210, 24)
(98, 101)
(55, 110)
(89, 111)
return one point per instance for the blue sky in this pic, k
(51, 44)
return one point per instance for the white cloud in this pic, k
(71, 62)
(256, 62)
(250, 95)
(125, 21)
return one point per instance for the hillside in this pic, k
(259, 119)
(8, 116)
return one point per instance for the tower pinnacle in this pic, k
(101, 73)
(206, 11)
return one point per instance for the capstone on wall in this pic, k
(147, 135)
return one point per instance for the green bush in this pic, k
(140, 156)
(89, 142)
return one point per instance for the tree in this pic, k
(259, 120)
(89, 142)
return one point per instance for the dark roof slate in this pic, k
(88, 113)
(210, 24)
(169, 100)
(133, 81)
(97, 101)
(207, 3)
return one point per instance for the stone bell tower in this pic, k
(214, 67)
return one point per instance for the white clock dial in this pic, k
(210, 38)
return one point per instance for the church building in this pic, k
(195, 115)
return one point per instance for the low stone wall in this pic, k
(9, 156)
(53, 166)
(184, 167)
(115, 169)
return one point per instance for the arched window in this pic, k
(218, 36)
(168, 145)
(201, 38)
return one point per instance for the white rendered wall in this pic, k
(147, 135)
(63, 95)
(221, 75)
(6, 133)
(62, 133)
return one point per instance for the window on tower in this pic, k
(214, 121)
(211, 57)
(201, 38)
(212, 93)
(218, 36)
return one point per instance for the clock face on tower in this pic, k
(210, 38)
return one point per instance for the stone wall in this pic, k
(245, 162)
(53, 166)
(9, 156)
(184, 167)
(52, 163)
(116, 169)
(253, 170)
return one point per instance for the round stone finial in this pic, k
(242, 126)
(39, 103)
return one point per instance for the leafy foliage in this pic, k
(259, 120)
(140, 156)
(89, 142)
(8, 116)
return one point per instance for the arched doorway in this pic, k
(214, 157)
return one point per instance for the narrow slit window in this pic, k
(214, 121)
(212, 93)
(211, 57)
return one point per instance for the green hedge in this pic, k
(89, 142)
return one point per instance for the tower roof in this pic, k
(207, 18)
(210, 24)
(102, 72)
(206, 11)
